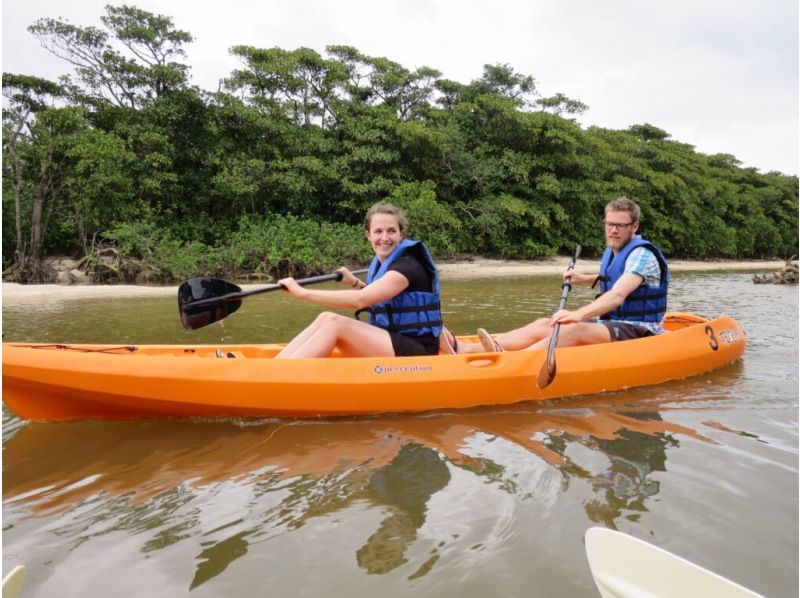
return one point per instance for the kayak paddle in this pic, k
(12, 583)
(205, 300)
(626, 567)
(548, 371)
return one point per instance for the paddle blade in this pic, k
(197, 289)
(547, 374)
(548, 371)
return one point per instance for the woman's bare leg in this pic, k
(330, 330)
(303, 336)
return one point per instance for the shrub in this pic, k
(430, 221)
(286, 245)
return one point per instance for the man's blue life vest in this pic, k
(645, 304)
(413, 313)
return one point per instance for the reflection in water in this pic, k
(159, 480)
(217, 556)
(404, 485)
(625, 487)
(629, 446)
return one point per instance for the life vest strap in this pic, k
(645, 293)
(626, 315)
(403, 310)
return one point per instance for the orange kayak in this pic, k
(52, 382)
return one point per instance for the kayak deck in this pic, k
(52, 382)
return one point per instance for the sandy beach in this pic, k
(454, 270)
(488, 268)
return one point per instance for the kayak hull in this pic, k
(44, 382)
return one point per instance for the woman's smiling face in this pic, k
(384, 234)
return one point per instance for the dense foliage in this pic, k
(273, 172)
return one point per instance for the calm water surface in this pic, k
(492, 501)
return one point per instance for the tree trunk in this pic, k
(36, 271)
(12, 151)
(29, 267)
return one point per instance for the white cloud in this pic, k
(719, 74)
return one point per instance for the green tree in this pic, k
(26, 96)
(46, 160)
(105, 74)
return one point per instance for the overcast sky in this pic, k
(721, 75)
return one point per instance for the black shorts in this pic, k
(405, 346)
(620, 331)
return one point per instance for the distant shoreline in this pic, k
(489, 268)
(456, 270)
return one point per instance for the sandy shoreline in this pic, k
(457, 270)
(487, 268)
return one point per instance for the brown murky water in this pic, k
(493, 501)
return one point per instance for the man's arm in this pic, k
(578, 278)
(625, 285)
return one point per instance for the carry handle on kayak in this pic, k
(548, 371)
(205, 300)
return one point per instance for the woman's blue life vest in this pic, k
(645, 304)
(412, 313)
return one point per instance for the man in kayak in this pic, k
(401, 296)
(634, 278)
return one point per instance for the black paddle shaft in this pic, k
(566, 287)
(549, 371)
(205, 300)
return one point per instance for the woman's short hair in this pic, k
(387, 208)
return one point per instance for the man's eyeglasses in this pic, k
(617, 225)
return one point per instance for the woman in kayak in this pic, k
(401, 296)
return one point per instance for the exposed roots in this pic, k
(786, 275)
(26, 270)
